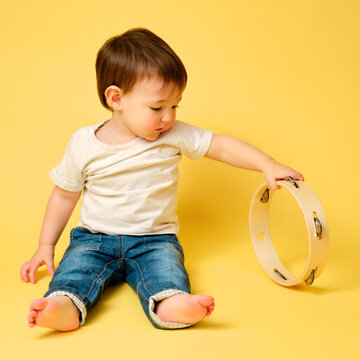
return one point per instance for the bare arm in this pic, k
(59, 209)
(236, 152)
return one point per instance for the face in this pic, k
(150, 109)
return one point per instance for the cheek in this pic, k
(152, 121)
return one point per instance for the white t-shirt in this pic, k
(130, 188)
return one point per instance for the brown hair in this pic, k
(127, 58)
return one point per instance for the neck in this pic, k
(118, 129)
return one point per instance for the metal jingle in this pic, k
(290, 179)
(265, 196)
(318, 227)
(277, 272)
(311, 277)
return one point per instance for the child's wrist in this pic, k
(266, 163)
(43, 244)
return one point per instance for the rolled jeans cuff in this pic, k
(161, 296)
(77, 302)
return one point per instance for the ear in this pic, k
(114, 96)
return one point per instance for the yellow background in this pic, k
(280, 74)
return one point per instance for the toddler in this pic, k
(127, 169)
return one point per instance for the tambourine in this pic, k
(317, 229)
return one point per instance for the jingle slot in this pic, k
(265, 196)
(277, 272)
(292, 181)
(310, 279)
(318, 226)
(261, 236)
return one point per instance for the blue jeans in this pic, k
(153, 265)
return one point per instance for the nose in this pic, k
(168, 117)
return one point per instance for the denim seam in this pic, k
(85, 268)
(179, 249)
(119, 247)
(97, 248)
(142, 276)
(170, 247)
(72, 235)
(97, 278)
(122, 246)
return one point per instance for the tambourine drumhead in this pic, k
(317, 230)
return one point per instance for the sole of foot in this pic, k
(58, 313)
(185, 308)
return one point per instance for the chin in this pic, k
(152, 137)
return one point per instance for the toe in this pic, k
(38, 304)
(210, 311)
(32, 316)
(205, 300)
(31, 320)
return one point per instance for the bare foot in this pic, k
(58, 312)
(185, 308)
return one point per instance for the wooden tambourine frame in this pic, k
(317, 230)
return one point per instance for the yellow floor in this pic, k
(282, 75)
(254, 317)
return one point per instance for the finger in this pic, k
(297, 176)
(32, 272)
(50, 266)
(24, 271)
(273, 184)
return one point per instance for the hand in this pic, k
(44, 255)
(275, 171)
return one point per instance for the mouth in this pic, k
(159, 129)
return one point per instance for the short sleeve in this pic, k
(67, 174)
(193, 141)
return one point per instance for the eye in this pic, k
(159, 108)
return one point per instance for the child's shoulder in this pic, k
(83, 134)
(184, 126)
(192, 140)
(184, 129)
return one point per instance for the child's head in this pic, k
(138, 53)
